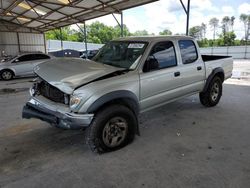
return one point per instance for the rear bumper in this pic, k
(63, 119)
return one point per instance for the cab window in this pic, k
(161, 56)
(188, 51)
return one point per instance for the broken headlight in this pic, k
(74, 101)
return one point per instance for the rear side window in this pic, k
(40, 56)
(188, 51)
(32, 57)
(162, 56)
(28, 57)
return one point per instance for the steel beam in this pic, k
(187, 11)
(61, 39)
(45, 44)
(84, 32)
(122, 26)
(18, 42)
(85, 38)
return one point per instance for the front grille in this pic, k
(52, 93)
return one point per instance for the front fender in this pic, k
(126, 95)
(6, 67)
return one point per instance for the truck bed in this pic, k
(216, 61)
(213, 57)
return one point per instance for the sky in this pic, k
(169, 14)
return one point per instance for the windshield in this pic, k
(123, 54)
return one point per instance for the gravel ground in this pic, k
(182, 144)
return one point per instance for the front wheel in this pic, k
(112, 128)
(7, 75)
(212, 95)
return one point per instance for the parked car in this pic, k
(21, 65)
(90, 54)
(127, 77)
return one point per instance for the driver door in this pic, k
(160, 82)
(23, 65)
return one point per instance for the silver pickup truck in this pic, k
(127, 77)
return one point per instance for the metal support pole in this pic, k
(44, 41)
(188, 11)
(183, 6)
(18, 42)
(245, 57)
(122, 26)
(61, 40)
(85, 36)
(85, 39)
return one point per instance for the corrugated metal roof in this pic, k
(44, 15)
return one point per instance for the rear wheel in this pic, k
(7, 74)
(212, 95)
(112, 128)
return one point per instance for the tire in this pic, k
(212, 95)
(6, 74)
(112, 128)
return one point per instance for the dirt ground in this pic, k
(182, 145)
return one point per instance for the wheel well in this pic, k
(220, 75)
(217, 72)
(129, 103)
(8, 70)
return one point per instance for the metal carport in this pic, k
(39, 16)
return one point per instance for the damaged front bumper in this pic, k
(59, 118)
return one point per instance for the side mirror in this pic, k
(150, 64)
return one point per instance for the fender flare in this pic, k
(211, 76)
(128, 96)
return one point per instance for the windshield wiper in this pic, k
(112, 64)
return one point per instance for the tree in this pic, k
(58, 34)
(214, 23)
(225, 24)
(117, 30)
(246, 21)
(232, 23)
(203, 30)
(228, 35)
(96, 33)
(102, 32)
(196, 32)
(165, 32)
(140, 33)
(227, 39)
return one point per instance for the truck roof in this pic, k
(154, 38)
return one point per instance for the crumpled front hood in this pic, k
(67, 74)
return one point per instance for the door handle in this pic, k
(199, 68)
(176, 74)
